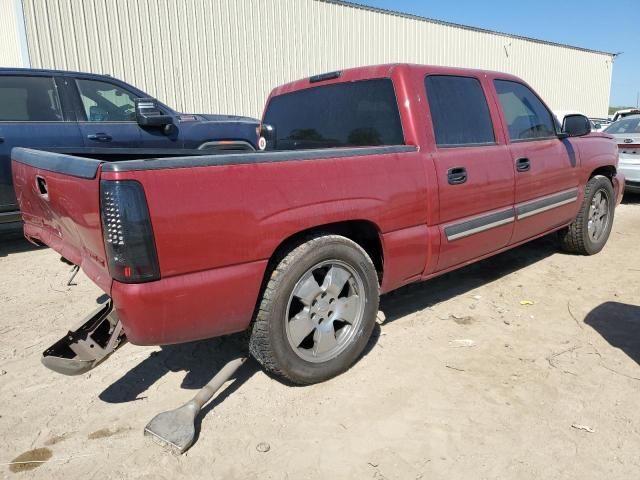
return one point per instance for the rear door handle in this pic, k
(99, 137)
(1, 139)
(523, 164)
(457, 175)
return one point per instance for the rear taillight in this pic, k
(127, 231)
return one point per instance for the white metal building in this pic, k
(224, 56)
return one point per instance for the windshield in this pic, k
(363, 113)
(626, 125)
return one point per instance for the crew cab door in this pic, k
(474, 170)
(106, 116)
(108, 122)
(31, 115)
(546, 177)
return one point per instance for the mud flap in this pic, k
(98, 336)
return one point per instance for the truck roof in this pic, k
(383, 71)
(95, 76)
(45, 71)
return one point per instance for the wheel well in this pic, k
(363, 232)
(608, 171)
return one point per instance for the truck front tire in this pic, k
(589, 232)
(317, 311)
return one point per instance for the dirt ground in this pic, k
(460, 381)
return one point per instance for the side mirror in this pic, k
(148, 114)
(267, 137)
(576, 125)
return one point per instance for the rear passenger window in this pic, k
(353, 114)
(24, 99)
(527, 117)
(459, 111)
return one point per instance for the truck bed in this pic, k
(216, 220)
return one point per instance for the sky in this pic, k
(598, 25)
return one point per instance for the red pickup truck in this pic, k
(372, 178)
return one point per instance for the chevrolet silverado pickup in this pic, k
(371, 178)
(99, 116)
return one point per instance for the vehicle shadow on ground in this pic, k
(418, 296)
(199, 360)
(15, 243)
(619, 324)
(631, 199)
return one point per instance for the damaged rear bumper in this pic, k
(82, 349)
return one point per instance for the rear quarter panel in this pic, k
(216, 227)
(210, 217)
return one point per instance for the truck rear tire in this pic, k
(589, 232)
(317, 312)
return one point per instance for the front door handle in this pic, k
(1, 139)
(99, 137)
(523, 164)
(457, 175)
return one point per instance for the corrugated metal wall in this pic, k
(10, 20)
(224, 56)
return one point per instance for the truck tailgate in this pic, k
(59, 196)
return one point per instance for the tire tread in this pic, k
(573, 237)
(259, 343)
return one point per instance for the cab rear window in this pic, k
(354, 114)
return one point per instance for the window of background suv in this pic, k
(354, 114)
(106, 102)
(627, 125)
(29, 99)
(527, 117)
(459, 111)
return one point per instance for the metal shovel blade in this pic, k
(176, 429)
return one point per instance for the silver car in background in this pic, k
(626, 133)
(599, 124)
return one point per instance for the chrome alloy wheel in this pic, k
(598, 215)
(324, 311)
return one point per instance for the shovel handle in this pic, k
(210, 389)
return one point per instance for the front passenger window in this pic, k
(527, 117)
(106, 102)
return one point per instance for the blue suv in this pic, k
(101, 117)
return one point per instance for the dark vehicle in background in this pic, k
(98, 116)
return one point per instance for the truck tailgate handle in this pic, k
(457, 175)
(523, 164)
(41, 183)
(99, 137)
